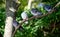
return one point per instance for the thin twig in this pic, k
(53, 27)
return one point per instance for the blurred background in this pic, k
(48, 26)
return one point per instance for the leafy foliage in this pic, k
(36, 26)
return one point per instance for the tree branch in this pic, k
(29, 4)
(36, 17)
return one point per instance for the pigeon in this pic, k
(15, 24)
(35, 12)
(47, 8)
(24, 16)
(40, 5)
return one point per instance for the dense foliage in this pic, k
(36, 27)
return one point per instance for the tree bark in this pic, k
(11, 7)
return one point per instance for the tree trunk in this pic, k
(11, 7)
